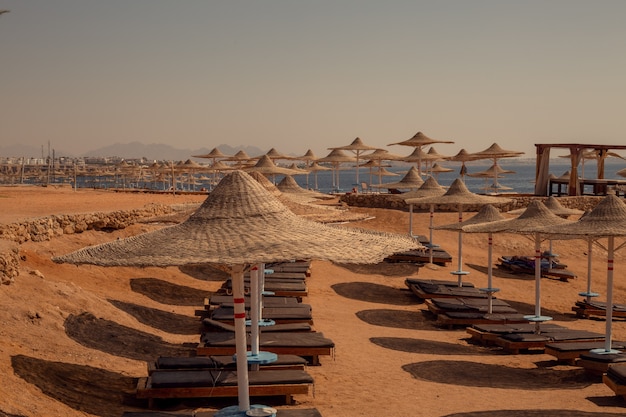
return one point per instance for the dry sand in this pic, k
(73, 340)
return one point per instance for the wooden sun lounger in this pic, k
(210, 325)
(425, 289)
(287, 276)
(309, 345)
(486, 333)
(440, 257)
(221, 383)
(172, 363)
(216, 300)
(516, 342)
(452, 312)
(281, 289)
(586, 309)
(598, 363)
(298, 313)
(569, 352)
(615, 379)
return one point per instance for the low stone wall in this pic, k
(45, 228)
(395, 202)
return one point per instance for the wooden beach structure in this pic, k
(575, 185)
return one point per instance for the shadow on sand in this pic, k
(404, 344)
(118, 340)
(159, 319)
(83, 388)
(399, 319)
(205, 272)
(473, 374)
(167, 293)
(374, 293)
(382, 268)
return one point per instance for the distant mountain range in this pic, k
(131, 150)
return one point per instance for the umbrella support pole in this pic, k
(589, 294)
(490, 290)
(537, 318)
(608, 342)
(459, 272)
(240, 337)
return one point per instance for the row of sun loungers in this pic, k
(588, 309)
(212, 372)
(526, 265)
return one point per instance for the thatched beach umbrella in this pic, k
(462, 156)
(606, 220)
(487, 214)
(530, 222)
(357, 147)
(289, 186)
(430, 188)
(268, 168)
(458, 195)
(418, 141)
(410, 181)
(240, 223)
(495, 152)
(336, 157)
(315, 168)
(377, 157)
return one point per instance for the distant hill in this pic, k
(130, 150)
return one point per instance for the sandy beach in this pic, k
(73, 340)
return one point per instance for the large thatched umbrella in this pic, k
(267, 167)
(530, 222)
(487, 214)
(315, 168)
(241, 223)
(430, 188)
(606, 220)
(336, 157)
(357, 147)
(418, 141)
(462, 156)
(458, 195)
(378, 156)
(495, 152)
(410, 181)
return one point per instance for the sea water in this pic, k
(521, 181)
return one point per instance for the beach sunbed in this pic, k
(517, 342)
(486, 333)
(210, 325)
(526, 265)
(452, 312)
(421, 256)
(223, 383)
(297, 313)
(570, 352)
(615, 379)
(427, 288)
(173, 363)
(598, 363)
(309, 345)
(587, 309)
(280, 287)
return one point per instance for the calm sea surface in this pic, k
(521, 181)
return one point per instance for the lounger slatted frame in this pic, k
(287, 391)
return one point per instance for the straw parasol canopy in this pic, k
(214, 154)
(418, 141)
(410, 181)
(430, 188)
(336, 157)
(606, 220)
(273, 154)
(266, 166)
(289, 186)
(462, 156)
(531, 221)
(241, 223)
(496, 152)
(487, 214)
(315, 168)
(357, 147)
(458, 195)
(621, 172)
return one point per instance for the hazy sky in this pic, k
(295, 75)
